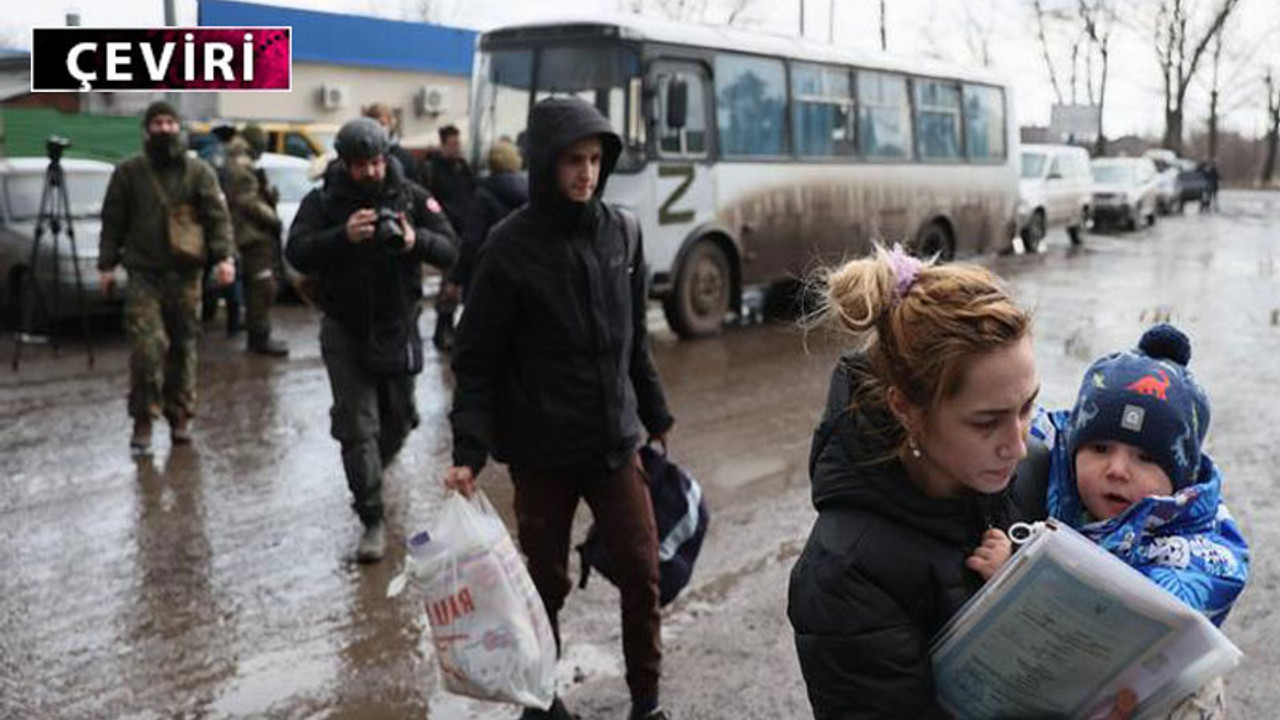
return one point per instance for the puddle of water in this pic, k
(267, 679)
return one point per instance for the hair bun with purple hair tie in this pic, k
(905, 269)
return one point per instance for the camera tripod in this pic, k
(55, 215)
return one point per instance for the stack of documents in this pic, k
(1062, 628)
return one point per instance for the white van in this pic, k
(1053, 190)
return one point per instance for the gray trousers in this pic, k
(371, 417)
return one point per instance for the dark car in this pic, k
(1193, 184)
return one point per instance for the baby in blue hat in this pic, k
(1129, 473)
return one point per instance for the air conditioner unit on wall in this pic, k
(432, 100)
(334, 97)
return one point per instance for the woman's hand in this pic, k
(991, 554)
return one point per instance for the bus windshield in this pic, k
(608, 78)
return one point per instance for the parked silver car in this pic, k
(22, 181)
(1125, 190)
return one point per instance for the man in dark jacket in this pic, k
(554, 377)
(364, 235)
(447, 175)
(162, 300)
(497, 196)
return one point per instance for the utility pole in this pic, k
(884, 41)
(831, 22)
(801, 18)
(170, 20)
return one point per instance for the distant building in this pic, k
(344, 62)
(1037, 134)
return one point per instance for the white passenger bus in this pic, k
(750, 158)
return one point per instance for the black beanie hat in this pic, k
(1146, 398)
(159, 107)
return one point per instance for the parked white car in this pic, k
(22, 182)
(1125, 190)
(1053, 191)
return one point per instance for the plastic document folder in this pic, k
(1062, 628)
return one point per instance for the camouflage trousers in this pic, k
(162, 323)
(257, 268)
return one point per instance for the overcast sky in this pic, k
(952, 29)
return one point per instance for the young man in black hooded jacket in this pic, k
(554, 376)
(370, 289)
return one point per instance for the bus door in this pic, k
(683, 191)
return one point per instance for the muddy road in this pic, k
(218, 580)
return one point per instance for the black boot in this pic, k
(557, 711)
(443, 336)
(264, 344)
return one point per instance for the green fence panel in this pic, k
(23, 131)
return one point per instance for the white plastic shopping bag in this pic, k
(490, 631)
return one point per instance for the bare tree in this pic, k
(977, 37)
(884, 42)
(1273, 127)
(736, 10)
(1044, 48)
(1213, 97)
(1099, 19)
(1180, 45)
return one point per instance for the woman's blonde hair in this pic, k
(920, 324)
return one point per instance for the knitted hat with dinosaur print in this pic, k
(1146, 398)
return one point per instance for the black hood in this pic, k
(340, 185)
(554, 125)
(510, 188)
(852, 464)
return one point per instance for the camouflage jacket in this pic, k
(135, 227)
(252, 202)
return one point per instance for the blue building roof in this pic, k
(352, 39)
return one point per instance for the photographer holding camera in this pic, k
(364, 235)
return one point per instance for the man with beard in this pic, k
(162, 300)
(554, 376)
(364, 236)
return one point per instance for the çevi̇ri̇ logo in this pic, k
(199, 58)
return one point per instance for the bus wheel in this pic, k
(1034, 233)
(700, 300)
(935, 239)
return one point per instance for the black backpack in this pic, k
(680, 512)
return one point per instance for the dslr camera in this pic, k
(387, 232)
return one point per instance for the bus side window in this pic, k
(692, 138)
(938, 119)
(884, 115)
(751, 105)
(822, 108)
(984, 122)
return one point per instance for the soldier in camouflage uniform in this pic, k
(257, 227)
(162, 300)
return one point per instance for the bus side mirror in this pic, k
(677, 103)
